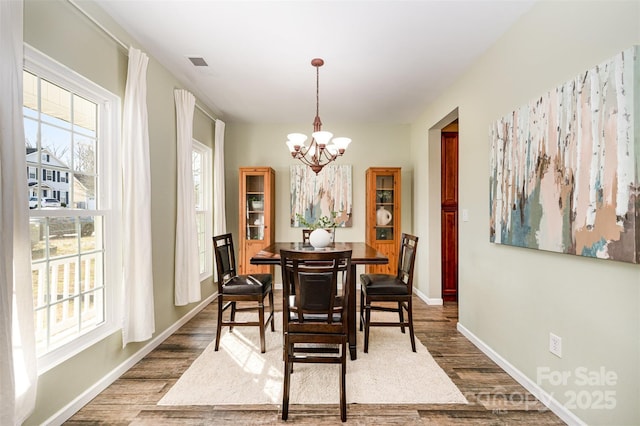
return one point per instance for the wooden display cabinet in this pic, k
(383, 216)
(257, 216)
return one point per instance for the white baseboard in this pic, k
(544, 397)
(70, 409)
(427, 300)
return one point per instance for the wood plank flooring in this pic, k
(494, 397)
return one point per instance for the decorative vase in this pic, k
(257, 205)
(383, 216)
(319, 238)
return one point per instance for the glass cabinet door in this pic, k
(255, 202)
(385, 201)
(383, 218)
(256, 216)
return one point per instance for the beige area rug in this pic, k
(239, 374)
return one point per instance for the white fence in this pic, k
(68, 296)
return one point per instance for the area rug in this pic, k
(239, 374)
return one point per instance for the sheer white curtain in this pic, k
(187, 272)
(219, 208)
(138, 322)
(18, 363)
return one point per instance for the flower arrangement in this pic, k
(322, 222)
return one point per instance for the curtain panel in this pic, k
(219, 207)
(138, 321)
(18, 362)
(187, 258)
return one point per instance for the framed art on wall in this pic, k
(564, 167)
(328, 192)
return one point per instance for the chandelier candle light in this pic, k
(322, 150)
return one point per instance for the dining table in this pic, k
(361, 254)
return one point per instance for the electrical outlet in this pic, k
(555, 345)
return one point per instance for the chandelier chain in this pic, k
(321, 149)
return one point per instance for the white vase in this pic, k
(383, 216)
(319, 238)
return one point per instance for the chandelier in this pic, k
(322, 149)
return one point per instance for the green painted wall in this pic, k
(373, 145)
(57, 29)
(512, 298)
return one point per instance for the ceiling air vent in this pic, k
(198, 62)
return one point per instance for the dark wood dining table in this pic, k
(361, 254)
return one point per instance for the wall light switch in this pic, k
(465, 215)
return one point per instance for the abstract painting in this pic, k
(314, 196)
(564, 168)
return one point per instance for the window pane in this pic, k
(37, 228)
(64, 321)
(56, 145)
(88, 273)
(56, 104)
(30, 91)
(200, 217)
(41, 325)
(62, 232)
(196, 165)
(39, 282)
(31, 137)
(84, 191)
(84, 115)
(92, 313)
(84, 156)
(63, 278)
(88, 227)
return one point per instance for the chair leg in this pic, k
(343, 381)
(287, 378)
(361, 308)
(401, 315)
(273, 327)
(262, 325)
(219, 326)
(233, 316)
(367, 321)
(410, 314)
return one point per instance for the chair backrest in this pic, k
(407, 259)
(225, 258)
(315, 288)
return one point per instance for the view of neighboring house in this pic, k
(53, 181)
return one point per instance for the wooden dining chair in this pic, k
(315, 317)
(234, 288)
(385, 288)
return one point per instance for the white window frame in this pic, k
(109, 197)
(206, 154)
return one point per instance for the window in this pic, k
(70, 134)
(201, 166)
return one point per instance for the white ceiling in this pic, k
(384, 60)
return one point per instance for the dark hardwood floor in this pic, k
(494, 397)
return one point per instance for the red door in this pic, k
(449, 215)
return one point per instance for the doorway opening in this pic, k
(449, 210)
(443, 171)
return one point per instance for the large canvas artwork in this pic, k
(564, 167)
(314, 196)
